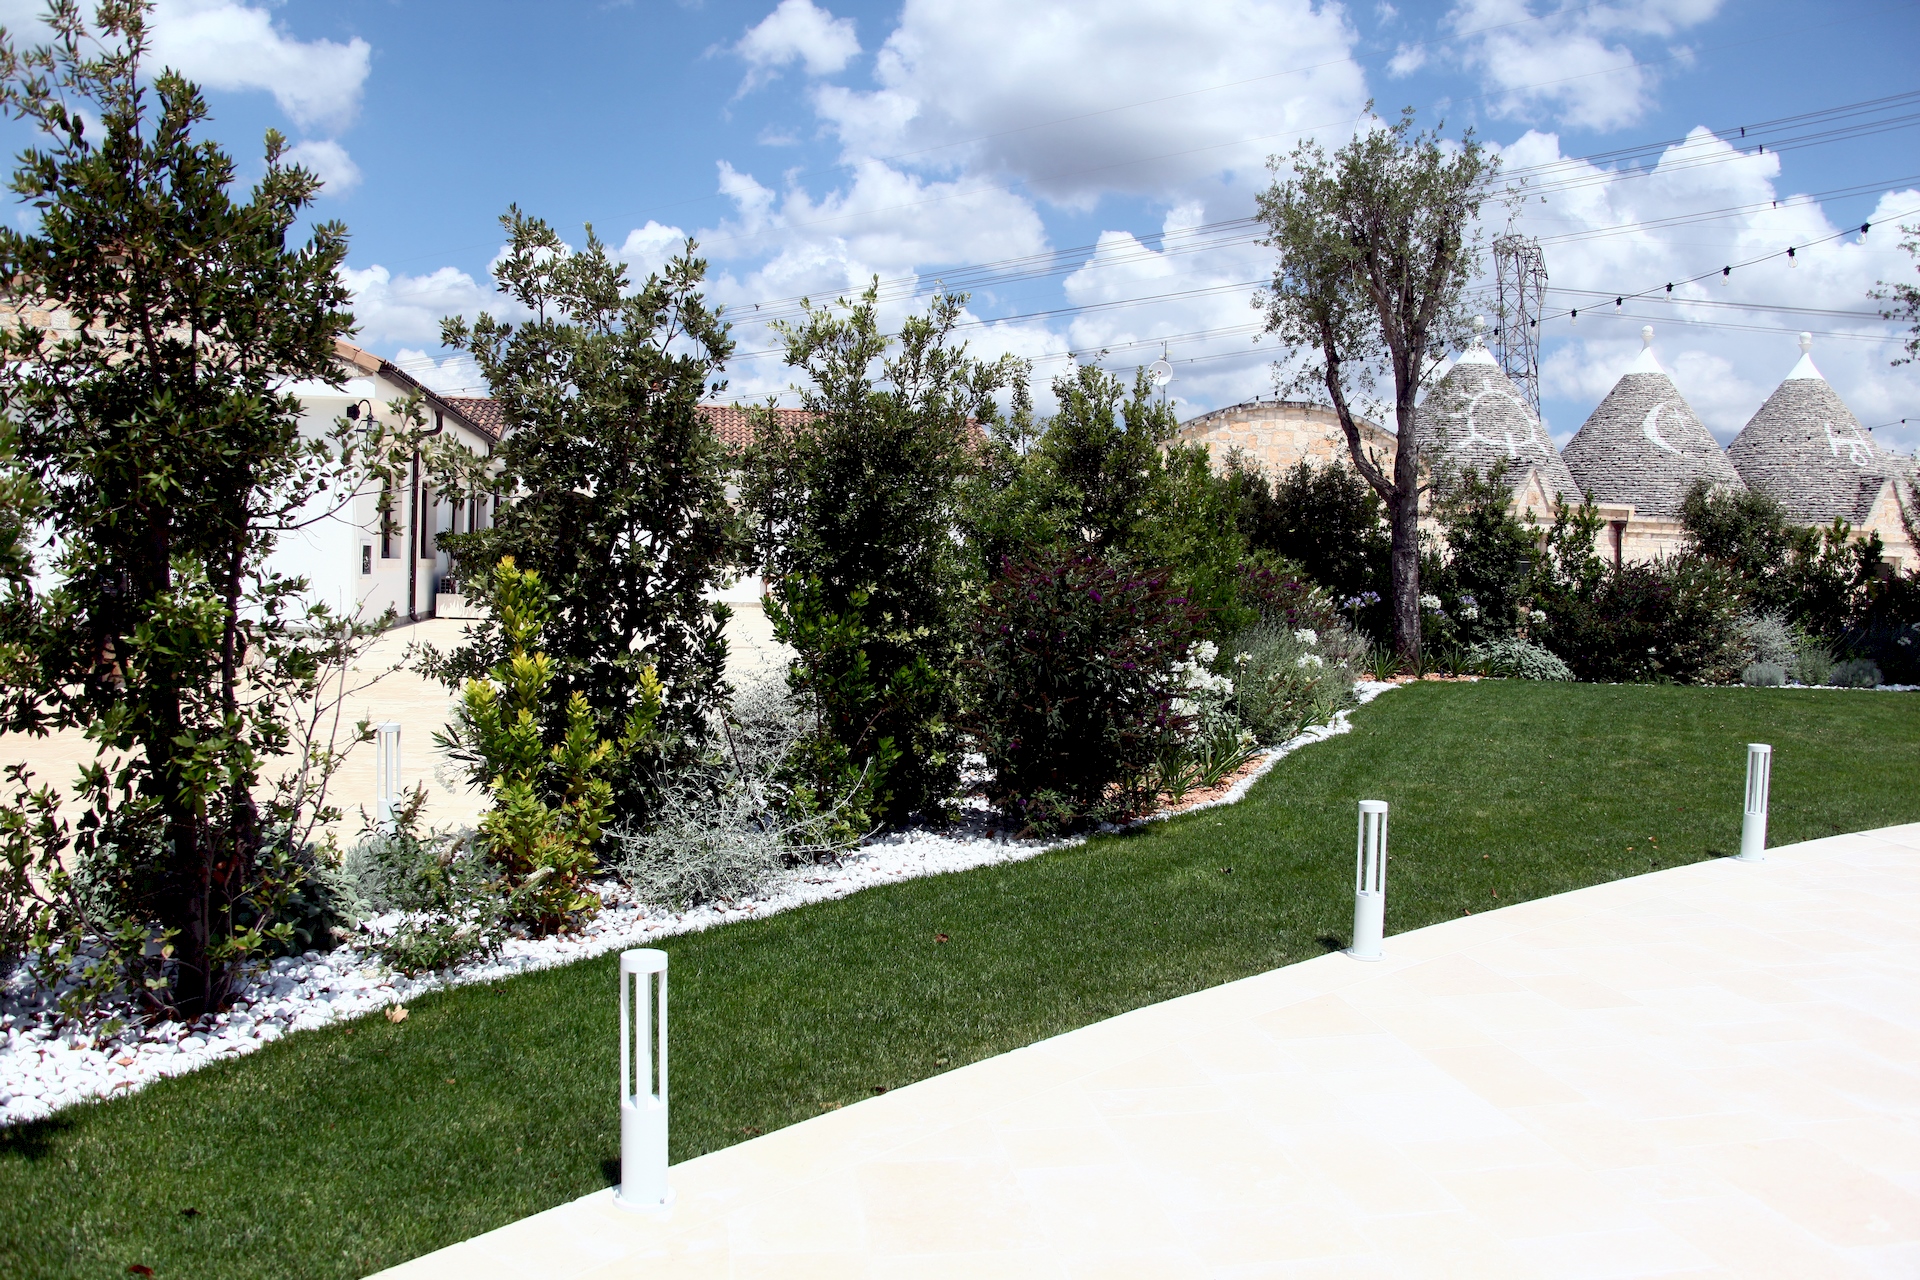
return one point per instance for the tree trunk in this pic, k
(1404, 518)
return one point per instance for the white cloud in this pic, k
(224, 44)
(647, 249)
(456, 375)
(1038, 91)
(1574, 65)
(1725, 347)
(797, 31)
(402, 308)
(330, 160)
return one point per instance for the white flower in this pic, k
(1469, 611)
(1242, 659)
(1206, 651)
(1430, 603)
(1306, 636)
(1309, 660)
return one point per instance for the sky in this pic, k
(1086, 171)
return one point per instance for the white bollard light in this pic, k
(386, 765)
(1753, 824)
(1370, 882)
(643, 1082)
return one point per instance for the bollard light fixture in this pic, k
(643, 1081)
(1753, 822)
(1370, 882)
(386, 766)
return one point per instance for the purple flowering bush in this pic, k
(1072, 686)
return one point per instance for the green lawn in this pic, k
(339, 1152)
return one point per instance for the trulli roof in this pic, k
(1644, 445)
(1806, 448)
(1475, 417)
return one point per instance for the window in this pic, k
(426, 522)
(366, 557)
(473, 513)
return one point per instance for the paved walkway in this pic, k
(1709, 1071)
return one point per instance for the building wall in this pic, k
(1277, 434)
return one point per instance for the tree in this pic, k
(1376, 248)
(615, 487)
(856, 510)
(167, 458)
(1325, 519)
(1903, 296)
(1822, 578)
(1103, 475)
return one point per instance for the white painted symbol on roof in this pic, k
(1651, 430)
(1859, 452)
(1505, 441)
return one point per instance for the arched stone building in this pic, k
(1275, 434)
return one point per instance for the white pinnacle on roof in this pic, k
(1805, 368)
(1644, 446)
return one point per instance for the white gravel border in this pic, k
(43, 1070)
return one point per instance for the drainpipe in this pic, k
(413, 526)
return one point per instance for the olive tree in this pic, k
(1377, 245)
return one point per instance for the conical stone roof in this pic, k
(1475, 417)
(1644, 446)
(1806, 448)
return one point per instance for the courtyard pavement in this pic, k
(1707, 1071)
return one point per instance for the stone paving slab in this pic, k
(1707, 1071)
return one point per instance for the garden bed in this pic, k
(339, 1151)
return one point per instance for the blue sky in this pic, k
(810, 145)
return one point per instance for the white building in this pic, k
(353, 560)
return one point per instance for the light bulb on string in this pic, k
(1726, 276)
(1573, 317)
(1617, 304)
(1790, 258)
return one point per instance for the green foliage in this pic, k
(1675, 620)
(1326, 520)
(1516, 658)
(1073, 686)
(1484, 575)
(845, 751)
(1286, 677)
(855, 508)
(1376, 249)
(20, 505)
(551, 800)
(454, 902)
(616, 491)
(1763, 675)
(157, 441)
(1822, 579)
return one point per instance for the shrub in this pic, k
(1287, 678)
(428, 900)
(1484, 576)
(725, 829)
(1856, 673)
(1769, 638)
(1072, 686)
(1329, 522)
(1821, 578)
(1812, 661)
(1763, 675)
(1517, 658)
(1672, 621)
(1216, 741)
(550, 802)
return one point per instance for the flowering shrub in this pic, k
(1285, 597)
(1073, 686)
(1216, 741)
(1286, 678)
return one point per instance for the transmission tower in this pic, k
(1520, 277)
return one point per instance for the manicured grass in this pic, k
(336, 1153)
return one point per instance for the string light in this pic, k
(1790, 258)
(1726, 276)
(1574, 317)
